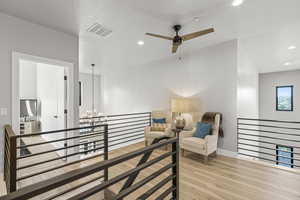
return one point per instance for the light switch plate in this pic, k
(3, 111)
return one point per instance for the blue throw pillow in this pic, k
(159, 121)
(202, 130)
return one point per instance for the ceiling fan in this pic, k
(177, 40)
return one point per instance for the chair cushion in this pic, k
(202, 130)
(194, 143)
(156, 134)
(159, 127)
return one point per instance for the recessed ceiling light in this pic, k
(196, 19)
(287, 63)
(237, 2)
(292, 47)
(141, 42)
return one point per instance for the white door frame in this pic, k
(16, 57)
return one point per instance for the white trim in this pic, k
(227, 153)
(267, 164)
(16, 56)
(232, 154)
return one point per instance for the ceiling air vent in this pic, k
(99, 30)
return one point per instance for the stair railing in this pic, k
(61, 180)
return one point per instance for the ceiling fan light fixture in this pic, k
(236, 3)
(196, 19)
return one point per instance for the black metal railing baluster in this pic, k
(106, 150)
(119, 131)
(143, 160)
(57, 182)
(175, 169)
(262, 139)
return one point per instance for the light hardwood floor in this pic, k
(223, 178)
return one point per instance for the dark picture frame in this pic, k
(291, 100)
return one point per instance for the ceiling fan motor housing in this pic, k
(177, 40)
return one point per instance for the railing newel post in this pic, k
(175, 169)
(106, 151)
(5, 156)
(12, 164)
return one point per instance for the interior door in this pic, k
(51, 94)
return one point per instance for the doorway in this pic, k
(42, 96)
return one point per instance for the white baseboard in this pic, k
(227, 153)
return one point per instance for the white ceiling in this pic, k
(266, 27)
(269, 51)
(173, 10)
(58, 14)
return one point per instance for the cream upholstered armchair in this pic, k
(159, 130)
(206, 146)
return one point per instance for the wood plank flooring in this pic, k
(223, 178)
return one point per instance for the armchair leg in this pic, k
(214, 154)
(182, 152)
(206, 160)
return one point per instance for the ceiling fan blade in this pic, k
(174, 48)
(197, 34)
(160, 36)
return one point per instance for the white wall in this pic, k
(267, 95)
(267, 108)
(25, 37)
(247, 87)
(247, 95)
(28, 80)
(86, 93)
(208, 74)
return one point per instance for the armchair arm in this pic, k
(185, 134)
(211, 139)
(212, 143)
(147, 130)
(168, 130)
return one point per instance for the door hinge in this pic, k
(65, 78)
(66, 111)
